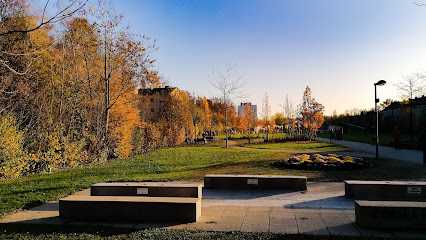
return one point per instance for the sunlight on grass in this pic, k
(170, 164)
(320, 146)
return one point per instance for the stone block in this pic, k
(123, 208)
(277, 182)
(395, 215)
(147, 189)
(386, 190)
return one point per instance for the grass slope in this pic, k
(319, 146)
(182, 163)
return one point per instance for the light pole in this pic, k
(376, 100)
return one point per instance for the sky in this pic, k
(337, 48)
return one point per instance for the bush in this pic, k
(321, 162)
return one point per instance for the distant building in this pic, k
(153, 100)
(243, 105)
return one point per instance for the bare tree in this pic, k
(412, 85)
(67, 11)
(229, 83)
(266, 112)
(289, 114)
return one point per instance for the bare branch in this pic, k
(57, 17)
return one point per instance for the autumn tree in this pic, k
(124, 61)
(250, 120)
(175, 118)
(207, 114)
(229, 84)
(311, 114)
(197, 114)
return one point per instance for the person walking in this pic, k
(396, 134)
(331, 134)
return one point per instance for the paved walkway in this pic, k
(321, 210)
(412, 156)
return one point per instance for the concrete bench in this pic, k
(391, 214)
(382, 190)
(278, 182)
(130, 208)
(148, 189)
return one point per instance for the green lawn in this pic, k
(181, 163)
(320, 146)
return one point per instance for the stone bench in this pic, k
(148, 189)
(382, 190)
(277, 182)
(391, 214)
(119, 208)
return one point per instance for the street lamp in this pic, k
(379, 83)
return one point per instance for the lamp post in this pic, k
(376, 100)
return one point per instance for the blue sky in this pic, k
(337, 47)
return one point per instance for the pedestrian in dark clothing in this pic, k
(396, 134)
(331, 134)
(423, 142)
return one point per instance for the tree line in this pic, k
(70, 90)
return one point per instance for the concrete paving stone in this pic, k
(257, 215)
(322, 232)
(278, 220)
(258, 209)
(337, 222)
(227, 227)
(106, 224)
(280, 209)
(177, 226)
(236, 208)
(50, 206)
(374, 233)
(315, 224)
(344, 229)
(255, 227)
(399, 234)
(351, 217)
(230, 220)
(85, 192)
(283, 228)
(213, 208)
(28, 216)
(334, 217)
(233, 213)
(280, 203)
(301, 215)
(201, 226)
(209, 218)
(283, 214)
(256, 220)
(243, 203)
(144, 225)
(48, 220)
(305, 210)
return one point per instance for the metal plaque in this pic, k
(141, 191)
(253, 181)
(414, 190)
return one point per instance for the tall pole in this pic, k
(377, 121)
(376, 100)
